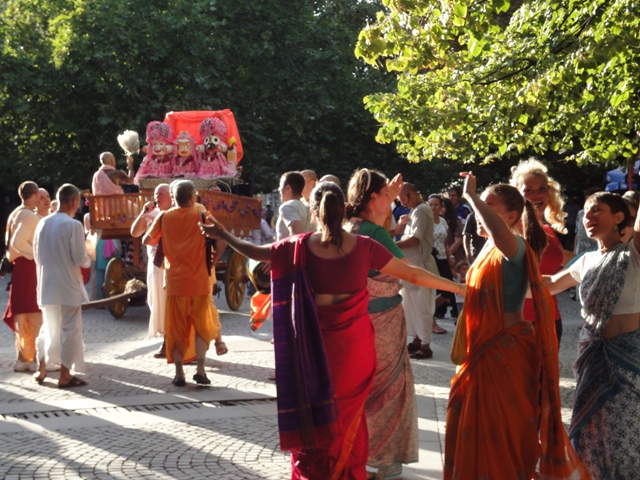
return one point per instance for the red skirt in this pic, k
(23, 296)
(348, 336)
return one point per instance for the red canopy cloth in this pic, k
(190, 122)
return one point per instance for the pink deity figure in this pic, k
(185, 162)
(158, 161)
(217, 152)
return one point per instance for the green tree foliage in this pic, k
(76, 73)
(489, 79)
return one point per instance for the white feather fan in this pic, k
(130, 142)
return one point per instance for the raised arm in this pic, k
(130, 172)
(261, 253)
(140, 224)
(500, 233)
(154, 232)
(419, 276)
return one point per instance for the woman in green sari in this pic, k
(391, 411)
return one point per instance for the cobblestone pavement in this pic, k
(130, 422)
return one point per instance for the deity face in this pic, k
(184, 148)
(211, 143)
(159, 147)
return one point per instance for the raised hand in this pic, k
(395, 185)
(469, 183)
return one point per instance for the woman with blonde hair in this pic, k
(531, 178)
(545, 193)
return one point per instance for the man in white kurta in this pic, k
(419, 303)
(59, 252)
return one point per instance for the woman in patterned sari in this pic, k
(325, 358)
(606, 408)
(391, 410)
(503, 414)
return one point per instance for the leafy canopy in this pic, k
(489, 78)
(76, 73)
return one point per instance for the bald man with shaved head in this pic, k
(107, 180)
(156, 297)
(310, 180)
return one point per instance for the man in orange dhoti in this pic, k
(189, 309)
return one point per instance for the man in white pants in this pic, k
(156, 295)
(59, 252)
(419, 303)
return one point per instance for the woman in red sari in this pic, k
(325, 358)
(503, 414)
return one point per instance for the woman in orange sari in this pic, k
(503, 414)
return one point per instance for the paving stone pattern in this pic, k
(130, 422)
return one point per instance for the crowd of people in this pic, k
(490, 261)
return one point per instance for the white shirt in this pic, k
(629, 300)
(59, 253)
(420, 226)
(22, 222)
(289, 212)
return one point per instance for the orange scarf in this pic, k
(504, 405)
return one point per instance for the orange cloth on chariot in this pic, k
(190, 122)
(504, 404)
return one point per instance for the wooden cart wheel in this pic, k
(115, 280)
(235, 281)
